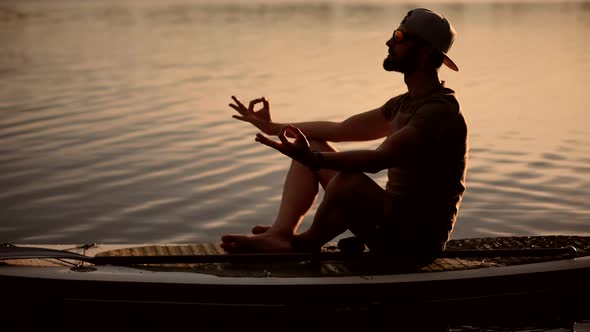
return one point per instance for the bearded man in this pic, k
(424, 150)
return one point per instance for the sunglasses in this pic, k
(400, 37)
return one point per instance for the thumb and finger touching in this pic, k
(254, 102)
(246, 115)
(283, 135)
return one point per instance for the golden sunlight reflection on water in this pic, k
(114, 124)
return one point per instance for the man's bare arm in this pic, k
(360, 127)
(396, 148)
(400, 146)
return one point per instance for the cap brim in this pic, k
(449, 63)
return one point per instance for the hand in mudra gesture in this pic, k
(298, 150)
(259, 118)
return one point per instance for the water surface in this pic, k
(114, 124)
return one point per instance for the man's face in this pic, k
(403, 53)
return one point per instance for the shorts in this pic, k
(410, 229)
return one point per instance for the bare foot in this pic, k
(259, 229)
(255, 243)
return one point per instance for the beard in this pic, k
(391, 65)
(404, 65)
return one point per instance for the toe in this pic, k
(259, 229)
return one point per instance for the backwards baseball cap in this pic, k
(432, 28)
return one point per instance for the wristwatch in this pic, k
(319, 158)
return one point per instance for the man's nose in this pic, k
(389, 42)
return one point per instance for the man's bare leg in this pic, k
(299, 193)
(353, 201)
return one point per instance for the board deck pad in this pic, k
(355, 267)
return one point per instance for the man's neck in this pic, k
(421, 84)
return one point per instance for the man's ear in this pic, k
(426, 51)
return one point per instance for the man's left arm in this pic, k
(397, 147)
(393, 150)
(428, 124)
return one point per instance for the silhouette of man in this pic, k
(425, 152)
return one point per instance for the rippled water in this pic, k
(114, 124)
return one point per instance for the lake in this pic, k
(115, 125)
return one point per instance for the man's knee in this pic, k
(345, 185)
